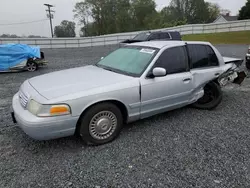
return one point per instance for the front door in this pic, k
(174, 90)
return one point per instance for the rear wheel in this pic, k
(101, 124)
(212, 97)
(32, 66)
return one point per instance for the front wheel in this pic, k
(101, 124)
(211, 99)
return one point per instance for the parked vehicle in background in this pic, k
(134, 82)
(16, 57)
(248, 58)
(155, 35)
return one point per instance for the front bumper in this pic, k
(42, 128)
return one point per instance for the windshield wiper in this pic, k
(109, 69)
(113, 70)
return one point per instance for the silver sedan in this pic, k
(133, 82)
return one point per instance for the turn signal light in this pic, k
(59, 110)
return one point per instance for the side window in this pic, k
(174, 60)
(202, 56)
(154, 36)
(198, 56)
(164, 36)
(212, 57)
(175, 35)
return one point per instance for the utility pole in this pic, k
(50, 16)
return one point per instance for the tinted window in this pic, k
(174, 60)
(154, 36)
(141, 36)
(164, 36)
(202, 56)
(212, 57)
(175, 35)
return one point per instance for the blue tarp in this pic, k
(13, 54)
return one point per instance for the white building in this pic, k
(225, 18)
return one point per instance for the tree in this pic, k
(213, 10)
(82, 12)
(193, 11)
(167, 16)
(100, 17)
(5, 36)
(9, 36)
(113, 16)
(143, 11)
(35, 36)
(65, 29)
(88, 30)
(108, 16)
(244, 13)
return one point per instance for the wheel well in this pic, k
(30, 61)
(216, 81)
(119, 104)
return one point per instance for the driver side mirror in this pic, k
(158, 72)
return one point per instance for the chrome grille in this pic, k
(23, 98)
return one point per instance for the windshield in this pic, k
(128, 61)
(141, 36)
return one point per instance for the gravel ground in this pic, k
(181, 148)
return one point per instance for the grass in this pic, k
(237, 37)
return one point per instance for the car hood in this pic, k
(66, 82)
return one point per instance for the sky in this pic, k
(16, 11)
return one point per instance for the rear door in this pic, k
(170, 91)
(204, 64)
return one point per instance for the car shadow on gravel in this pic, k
(75, 142)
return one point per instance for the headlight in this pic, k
(34, 107)
(48, 110)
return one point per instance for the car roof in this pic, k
(162, 44)
(159, 32)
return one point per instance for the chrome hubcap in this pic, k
(103, 125)
(31, 67)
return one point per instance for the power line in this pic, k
(20, 23)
